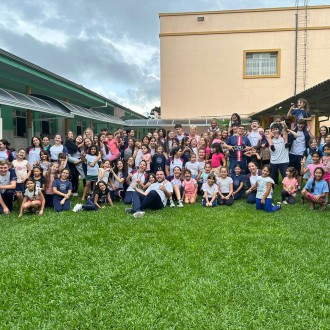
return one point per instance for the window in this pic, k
(19, 123)
(79, 126)
(262, 63)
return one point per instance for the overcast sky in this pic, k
(109, 46)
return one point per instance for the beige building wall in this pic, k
(202, 70)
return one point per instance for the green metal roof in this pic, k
(23, 101)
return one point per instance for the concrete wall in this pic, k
(202, 61)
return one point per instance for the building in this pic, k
(221, 62)
(35, 101)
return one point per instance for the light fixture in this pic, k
(200, 18)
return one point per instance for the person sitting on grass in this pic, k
(101, 196)
(210, 189)
(62, 189)
(33, 200)
(190, 186)
(154, 198)
(316, 190)
(7, 187)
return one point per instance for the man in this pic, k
(237, 146)
(7, 187)
(154, 198)
(179, 132)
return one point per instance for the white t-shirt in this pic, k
(262, 186)
(211, 190)
(155, 186)
(254, 138)
(224, 184)
(281, 154)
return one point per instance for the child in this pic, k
(194, 146)
(101, 196)
(264, 187)
(174, 161)
(62, 189)
(254, 156)
(225, 184)
(62, 161)
(91, 159)
(218, 158)
(238, 182)
(146, 156)
(326, 164)
(50, 177)
(290, 186)
(44, 161)
(23, 171)
(158, 160)
(38, 178)
(152, 179)
(210, 190)
(33, 199)
(137, 177)
(104, 172)
(307, 156)
(250, 182)
(193, 166)
(176, 181)
(57, 148)
(138, 154)
(316, 190)
(189, 188)
(118, 176)
(186, 149)
(316, 158)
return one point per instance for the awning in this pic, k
(23, 101)
(76, 110)
(318, 98)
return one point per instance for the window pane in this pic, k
(261, 64)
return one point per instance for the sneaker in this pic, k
(279, 204)
(77, 207)
(75, 194)
(129, 210)
(180, 203)
(285, 202)
(138, 214)
(172, 203)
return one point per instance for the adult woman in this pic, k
(5, 153)
(193, 133)
(88, 133)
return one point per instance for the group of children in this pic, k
(48, 181)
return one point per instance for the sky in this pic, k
(108, 46)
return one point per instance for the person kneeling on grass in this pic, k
(264, 187)
(101, 196)
(154, 198)
(33, 200)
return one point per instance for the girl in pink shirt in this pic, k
(290, 186)
(189, 188)
(218, 158)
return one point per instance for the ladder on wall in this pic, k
(301, 51)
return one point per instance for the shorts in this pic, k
(35, 200)
(91, 178)
(20, 187)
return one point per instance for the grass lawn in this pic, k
(190, 268)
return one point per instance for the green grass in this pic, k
(190, 268)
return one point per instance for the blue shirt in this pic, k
(320, 187)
